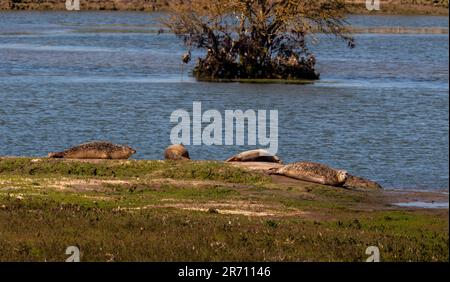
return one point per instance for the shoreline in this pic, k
(354, 7)
(443, 13)
(396, 195)
(251, 166)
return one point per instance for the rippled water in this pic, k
(380, 110)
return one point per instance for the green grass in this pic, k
(168, 211)
(41, 230)
(128, 169)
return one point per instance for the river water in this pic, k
(380, 110)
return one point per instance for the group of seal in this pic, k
(108, 150)
(306, 171)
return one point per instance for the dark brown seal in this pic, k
(95, 150)
(176, 152)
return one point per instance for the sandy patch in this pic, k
(82, 185)
(256, 166)
(227, 207)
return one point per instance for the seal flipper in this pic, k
(273, 171)
(232, 159)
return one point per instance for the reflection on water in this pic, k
(380, 110)
(424, 205)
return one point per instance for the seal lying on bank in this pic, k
(361, 183)
(95, 150)
(258, 155)
(176, 152)
(313, 172)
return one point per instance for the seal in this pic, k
(313, 172)
(357, 182)
(176, 152)
(258, 155)
(95, 150)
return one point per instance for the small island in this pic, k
(256, 39)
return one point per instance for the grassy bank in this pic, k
(197, 211)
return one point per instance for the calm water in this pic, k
(380, 110)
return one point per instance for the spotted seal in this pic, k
(313, 172)
(176, 152)
(95, 150)
(258, 155)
